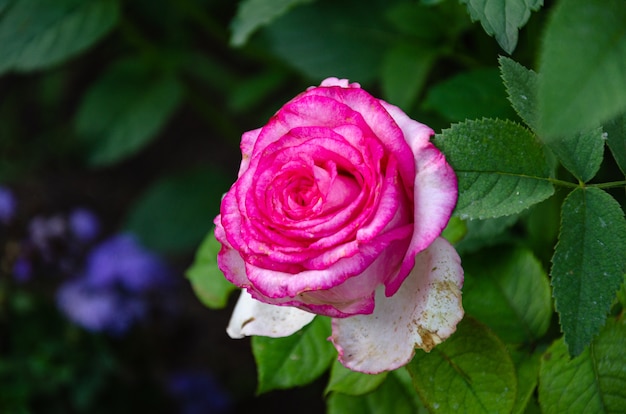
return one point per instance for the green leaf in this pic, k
(404, 73)
(510, 293)
(336, 38)
(502, 19)
(351, 382)
(500, 167)
(485, 233)
(294, 360)
(471, 371)
(527, 368)
(207, 280)
(470, 95)
(124, 110)
(582, 66)
(252, 14)
(521, 87)
(455, 230)
(392, 396)
(174, 214)
(593, 382)
(36, 34)
(588, 263)
(616, 140)
(581, 153)
(427, 25)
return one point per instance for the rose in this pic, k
(337, 211)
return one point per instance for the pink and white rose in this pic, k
(338, 209)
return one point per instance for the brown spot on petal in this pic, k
(429, 339)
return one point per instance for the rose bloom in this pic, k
(337, 210)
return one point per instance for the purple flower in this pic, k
(198, 393)
(84, 224)
(122, 262)
(22, 269)
(112, 293)
(8, 205)
(99, 310)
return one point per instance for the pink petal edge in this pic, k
(424, 312)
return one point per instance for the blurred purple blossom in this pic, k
(8, 205)
(198, 392)
(84, 224)
(121, 261)
(111, 293)
(22, 269)
(45, 233)
(99, 310)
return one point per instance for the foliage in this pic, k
(154, 96)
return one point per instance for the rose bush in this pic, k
(337, 210)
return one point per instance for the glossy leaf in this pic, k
(35, 34)
(593, 382)
(502, 19)
(252, 14)
(510, 293)
(176, 212)
(588, 264)
(500, 167)
(471, 371)
(124, 110)
(207, 280)
(294, 360)
(582, 65)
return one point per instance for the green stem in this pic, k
(612, 184)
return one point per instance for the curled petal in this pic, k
(434, 191)
(424, 312)
(252, 317)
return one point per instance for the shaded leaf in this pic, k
(207, 280)
(616, 140)
(470, 95)
(527, 368)
(341, 39)
(252, 14)
(588, 264)
(351, 382)
(502, 19)
(124, 110)
(404, 73)
(510, 293)
(471, 371)
(593, 382)
(36, 34)
(390, 397)
(176, 212)
(294, 360)
(485, 233)
(583, 66)
(500, 167)
(581, 153)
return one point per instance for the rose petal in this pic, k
(424, 312)
(252, 317)
(435, 190)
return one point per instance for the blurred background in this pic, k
(119, 132)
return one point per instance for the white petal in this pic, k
(424, 312)
(252, 317)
